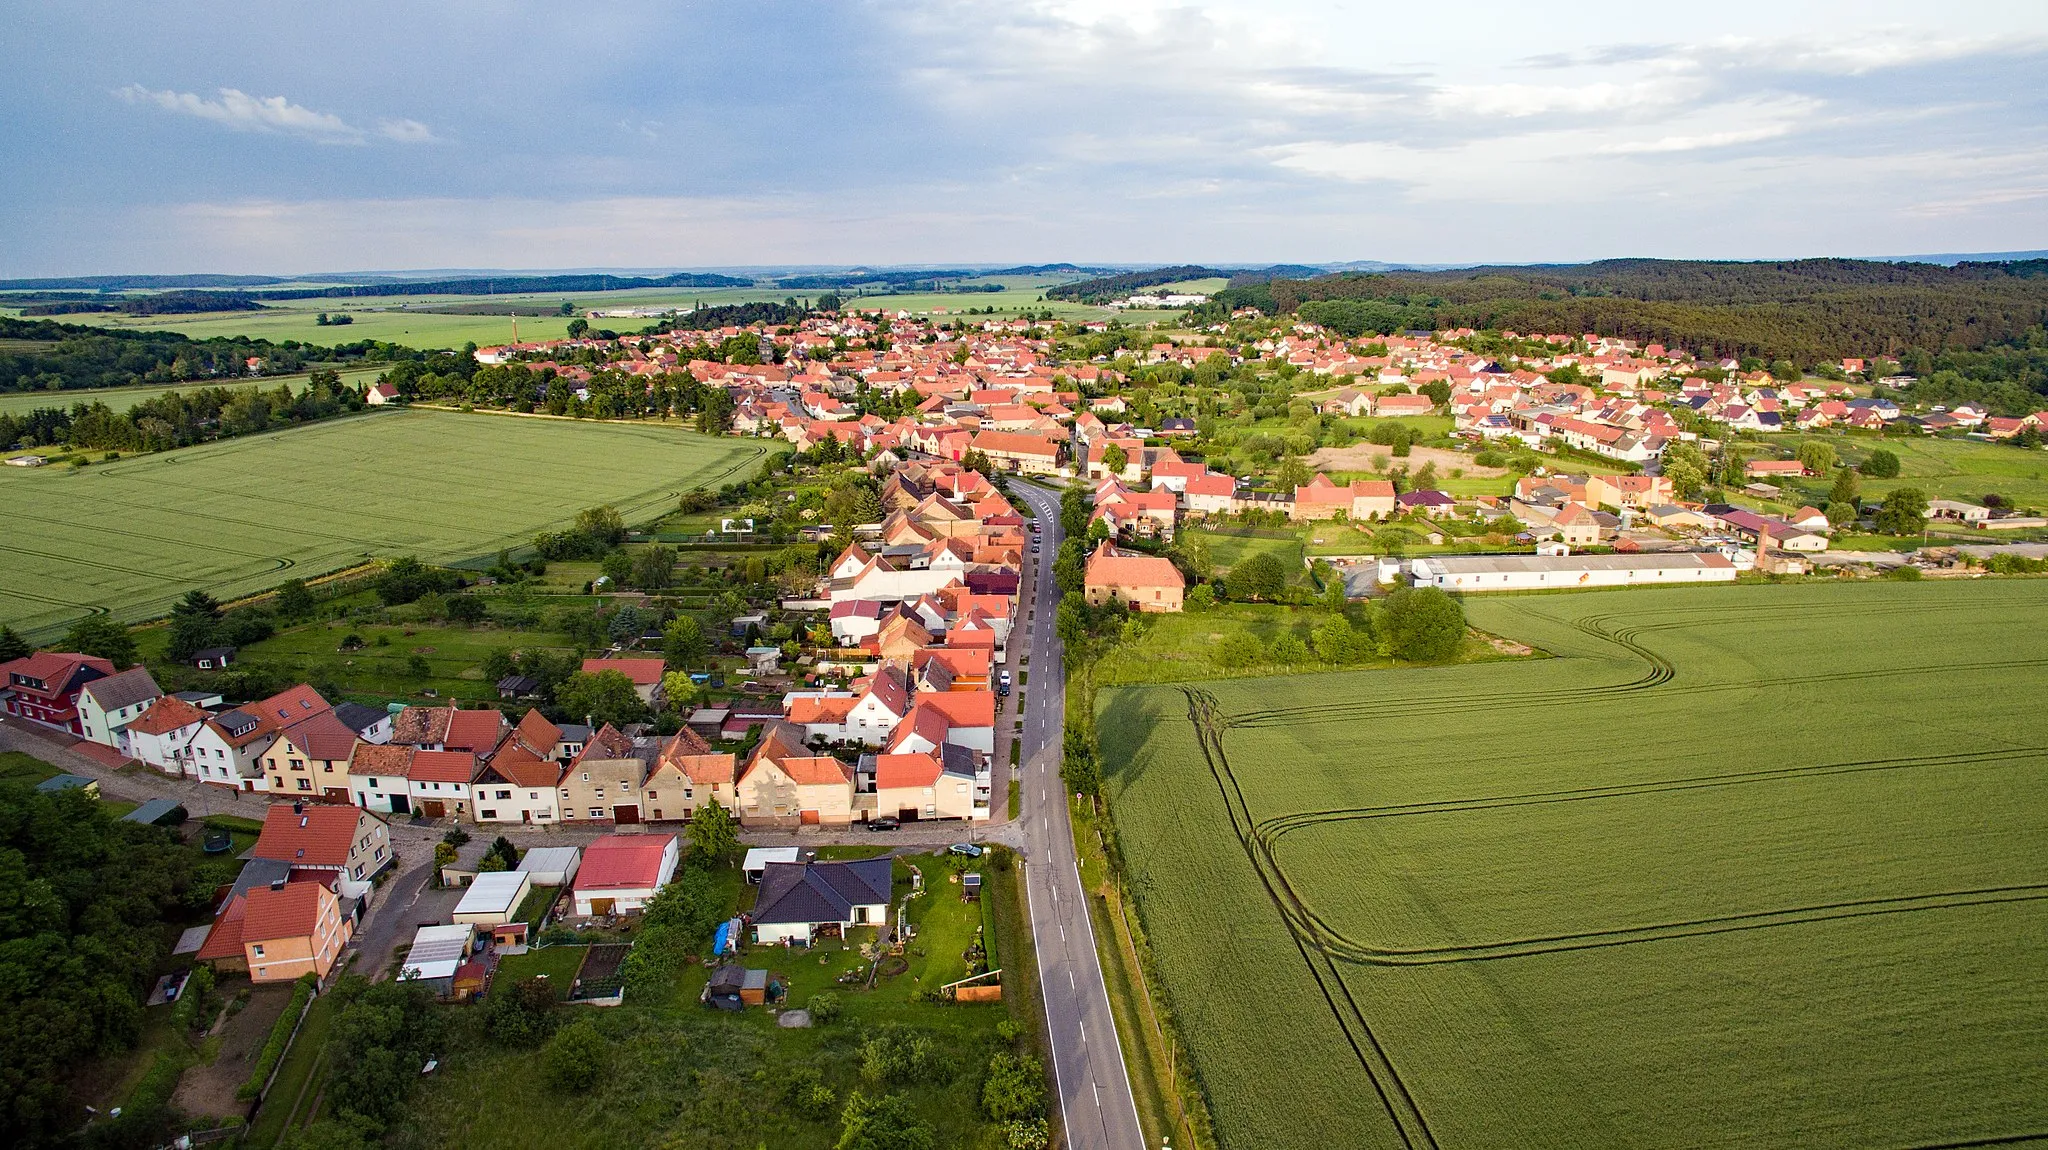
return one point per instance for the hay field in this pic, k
(246, 514)
(1757, 866)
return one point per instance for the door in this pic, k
(433, 808)
(808, 818)
(400, 805)
(626, 814)
(602, 906)
(334, 794)
(906, 815)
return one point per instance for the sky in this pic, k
(282, 139)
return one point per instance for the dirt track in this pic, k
(1375, 457)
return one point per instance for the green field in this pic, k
(405, 320)
(1762, 866)
(246, 514)
(123, 398)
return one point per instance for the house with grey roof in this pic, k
(800, 901)
(106, 706)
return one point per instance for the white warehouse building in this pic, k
(1548, 572)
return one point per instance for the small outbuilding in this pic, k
(551, 866)
(723, 991)
(620, 873)
(437, 953)
(493, 898)
(759, 857)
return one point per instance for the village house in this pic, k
(310, 759)
(43, 688)
(106, 706)
(279, 932)
(1146, 582)
(345, 845)
(161, 735)
(603, 782)
(782, 786)
(798, 902)
(621, 873)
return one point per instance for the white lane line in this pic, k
(1071, 984)
(1098, 1093)
(1063, 938)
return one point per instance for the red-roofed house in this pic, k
(620, 873)
(43, 688)
(784, 787)
(289, 930)
(438, 782)
(645, 673)
(1146, 582)
(352, 843)
(161, 736)
(918, 787)
(309, 759)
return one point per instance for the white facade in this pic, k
(375, 793)
(1546, 572)
(166, 752)
(214, 760)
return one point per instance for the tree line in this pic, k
(182, 417)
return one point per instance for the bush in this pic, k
(1014, 1088)
(280, 1039)
(520, 1013)
(1239, 649)
(1425, 625)
(808, 1094)
(574, 1058)
(1880, 464)
(894, 1054)
(823, 1007)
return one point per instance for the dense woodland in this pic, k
(1805, 311)
(181, 418)
(83, 905)
(162, 303)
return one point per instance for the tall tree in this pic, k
(100, 635)
(714, 839)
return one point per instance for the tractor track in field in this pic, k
(1322, 947)
(1400, 1106)
(1659, 671)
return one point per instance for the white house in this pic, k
(438, 783)
(106, 706)
(797, 901)
(376, 777)
(162, 735)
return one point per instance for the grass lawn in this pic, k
(18, 767)
(1751, 865)
(1943, 468)
(558, 963)
(1228, 548)
(454, 656)
(536, 904)
(247, 514)
(1180, 647)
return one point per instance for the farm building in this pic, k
(493, 898)
(551, 866)
(800, 900)
(1540, 572)
(621, 872)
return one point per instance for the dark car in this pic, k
(884, 823)
(967, 849)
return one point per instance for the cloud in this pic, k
(406, 132)
(276, 115)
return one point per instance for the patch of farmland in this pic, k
(246, 514)
(1759, 866)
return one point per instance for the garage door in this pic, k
(809, 818)
(626, 814)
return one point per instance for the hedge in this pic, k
(280, 1040)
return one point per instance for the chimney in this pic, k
(298, 806)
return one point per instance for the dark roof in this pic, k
(992, 582)
(56, 783)
(358, 718)
(126, 689)
(955, 759)
(212, 653)
(820, 891)
(151, 811)
(728, 979)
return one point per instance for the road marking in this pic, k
(1071, 984)
(1063, 938)
(1098, 1093)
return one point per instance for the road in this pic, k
(1096, 1105)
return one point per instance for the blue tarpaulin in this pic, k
(723, 940)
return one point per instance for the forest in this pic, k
(1805, 311)
(181, 417)
(43, 355)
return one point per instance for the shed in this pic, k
(707, 720)
(764, 660)
(759, 857)
(551, 866)
(214, 658)
(156, 812)
(56, 783)
(970, 887)
(437, 952)
(724, 990)
(493, 898)
(754, 987)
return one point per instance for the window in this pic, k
(597, 812)
(504, 794)
(653, 795)
(305, 784)
(258, 949)
(600, 792)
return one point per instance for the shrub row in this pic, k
(280, 1040)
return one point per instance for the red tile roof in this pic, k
(478, 731)
(293, 912)
(915, 770)
(442, 767)
(643, 672)
(628, 862)
(317, 835)
(167, 714)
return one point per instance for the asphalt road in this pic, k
(1096, 1105)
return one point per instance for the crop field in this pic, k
(410, 320)
(123, 398)
(246, 514)
(1763, 866)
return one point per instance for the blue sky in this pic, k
(147, 137)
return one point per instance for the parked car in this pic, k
(968, 849)
(1003, 682)
(885, 823)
